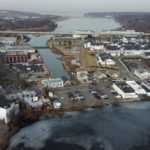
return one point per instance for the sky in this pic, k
(75, 5)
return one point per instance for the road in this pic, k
(77, 33)
(125, 71)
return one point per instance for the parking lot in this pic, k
(134, 64)
(87, 94)
(27, 68)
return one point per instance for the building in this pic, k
(99, 75)
(137, 88)
(105, 60)
(14, 57)
(35, 58)
(82, 76)
(18, 48)
(145, 86)
(53, 83)
(142, 74)
(7, 109)
(123, 89)
(94, 46)
(66, 81)
(8, 41)
(31, 100)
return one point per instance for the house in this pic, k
(7, 109)
(82, 76)
(105, 60)
(53, 83)
(31, 100)
(99, 75)
(66, 81)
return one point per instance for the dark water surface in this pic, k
(108, 128)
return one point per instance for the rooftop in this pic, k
(4, 102)
(105, 56)
(125, 87)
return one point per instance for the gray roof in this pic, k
(125, 87)
(105, 56)
(7, 39)
(53, 80)
(4, 102)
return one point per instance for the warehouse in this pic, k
(137, 88)
(124, 90)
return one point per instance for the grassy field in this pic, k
(88, 59)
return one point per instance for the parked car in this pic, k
(93, 91)
(117, 96)
(104, 96)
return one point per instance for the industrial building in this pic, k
(14, 57)
(137, 88)
(124, 90)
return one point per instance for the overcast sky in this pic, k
(75, 5)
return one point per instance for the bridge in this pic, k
(77, 33)
(40, 47)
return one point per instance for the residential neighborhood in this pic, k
(115, 63)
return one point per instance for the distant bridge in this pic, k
(40, 47)
(78, 33)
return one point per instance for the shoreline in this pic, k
(27, 118)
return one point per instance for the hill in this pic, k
(27, 21)
(138, 21)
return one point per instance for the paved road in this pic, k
(78, 33)
(125, 71)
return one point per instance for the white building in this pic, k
(137, 88)
(53, 83)
(146, 87)
(93, 47)
(7, 109)
(8, 40)
(17, 48)
(124, 90)
(142, 74)
(105, 60)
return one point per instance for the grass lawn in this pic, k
(88, 59)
